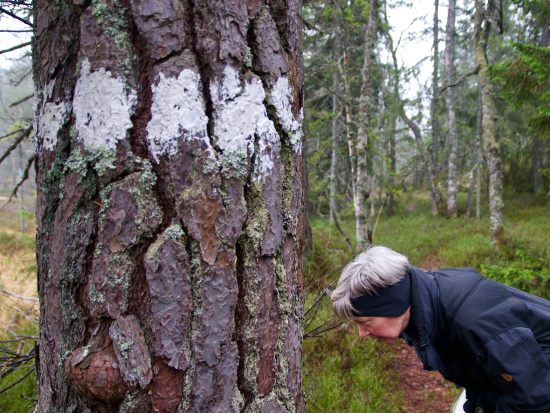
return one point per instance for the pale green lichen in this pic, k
(95, 296)
(234, 164)
(174, 232)
(248, 57)
(115, 25)
(92, 158)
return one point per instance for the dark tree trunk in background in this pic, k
(170, 209)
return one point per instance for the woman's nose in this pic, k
(363, 331)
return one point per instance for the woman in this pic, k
(489, 338)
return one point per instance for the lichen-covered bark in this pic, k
(170, 205)
(489, 125)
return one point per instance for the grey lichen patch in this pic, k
(131, 351)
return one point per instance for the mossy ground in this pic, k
(344, 374)
(17, 317)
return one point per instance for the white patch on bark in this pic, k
(102, 108)
(177, 111)
(239, 116)
(52, 118)
(281, 98)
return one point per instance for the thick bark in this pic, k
(450, 102)
(489, 125)
(361, 193)
(170, 206)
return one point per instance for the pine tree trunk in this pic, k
(170, 206)
(450, 101)
(489, 125)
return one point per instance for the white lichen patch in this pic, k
(281, 98)
(177, 111)
(102, 106)
(50, 120)
(240, 117)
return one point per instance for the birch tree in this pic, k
(489, 118)
(361, 188)
(437, 199)
(170, 205)
(450, 102)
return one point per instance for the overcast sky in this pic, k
(407, 23)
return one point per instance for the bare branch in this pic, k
(16, 31)
(23, 178)
(20, 80)
(15, 16)
(18, 102)
(12, 133)
(19, 46)
(17, 141)
(5, 389)
(461, 79)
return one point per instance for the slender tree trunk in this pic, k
(170, 206)
(437, 199)
(334, 156)
(361, 150)
(450, 102)
(489, 125)
(538, 143)
(334, 125)
(475, 180)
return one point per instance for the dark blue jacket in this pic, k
(491, 339)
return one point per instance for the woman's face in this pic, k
(383, 327)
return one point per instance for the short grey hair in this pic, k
(376, 268)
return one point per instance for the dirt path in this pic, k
(425, 391)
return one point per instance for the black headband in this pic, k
(391, 301)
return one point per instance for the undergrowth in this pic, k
(344, 374)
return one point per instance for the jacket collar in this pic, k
(423, 328)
